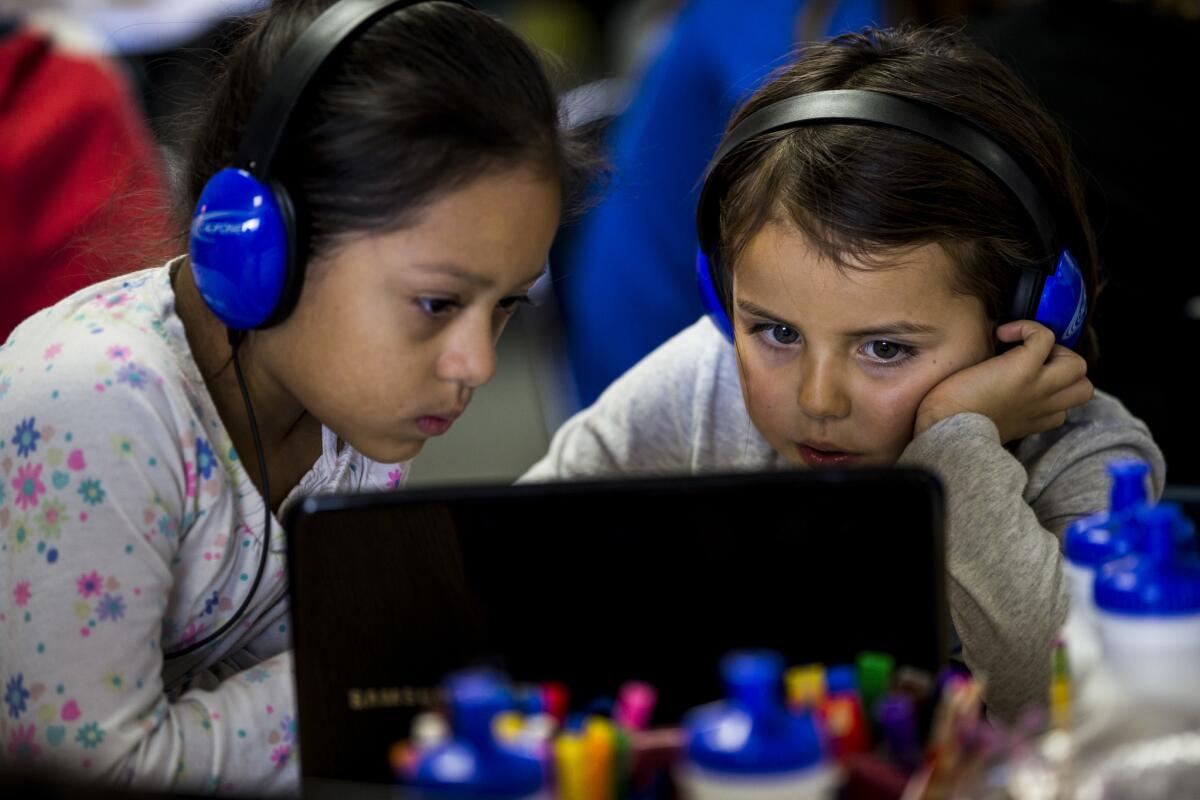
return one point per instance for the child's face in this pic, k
(394, 331)
(835, 362)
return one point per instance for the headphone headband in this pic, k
(321, 41)
(877, 108)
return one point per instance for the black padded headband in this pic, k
(877, 108)
(320, 42)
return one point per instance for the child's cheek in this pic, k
(766, 398)
(893, 413)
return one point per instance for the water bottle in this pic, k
(1148, 613)
(749, 746)
(1090, 542)
(474, 763)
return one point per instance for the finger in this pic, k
(1077, 394)
(1036, 339)
(1062, 369)
(1065, 353)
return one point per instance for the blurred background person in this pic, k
(72, 138)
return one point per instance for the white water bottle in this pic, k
(1148, 613)
(750, 747)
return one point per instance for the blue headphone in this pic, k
(1052, 293)
(245, 244)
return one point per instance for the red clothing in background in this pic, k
(71, 139)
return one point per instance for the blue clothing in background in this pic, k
(628, 273)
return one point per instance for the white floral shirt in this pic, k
(128, 530)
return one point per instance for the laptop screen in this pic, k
(592, 584)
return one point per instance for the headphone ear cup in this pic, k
(1063, 305)
(239, 247)
(710, 297)
(293, 276)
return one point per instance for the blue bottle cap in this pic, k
(751, 733)
(1157, 580)
(841, 678)
(1096, 539)
(474, 762)
(1129, 485)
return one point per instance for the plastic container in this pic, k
(1091, 542)
(474, 763)
(749, 746)
(1148, 613)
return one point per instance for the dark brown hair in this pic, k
(427, 99)
(865, 193)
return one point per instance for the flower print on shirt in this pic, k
(28, 485)
(191, 633)
(189, 480)
(22, 745)
(395, 478)
(118, 352)
(50, 518)
(204, 459)
(211, 604)
(114, 300)
(90, 735)
(289, 729)
(112, 607)
(280, 755)
(89, 585)
(21, 594)
(15, 695)
(133, 374)
(256, 675)
(122, 444)
(26, 437)
(113, 681)
(91, 492)
(19, 535)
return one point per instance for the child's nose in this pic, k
(822, 389)
(470, 358)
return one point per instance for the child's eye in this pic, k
(436, 306)
(886, 352)
(776, 334)
(511, 303)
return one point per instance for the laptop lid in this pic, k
(592, 584)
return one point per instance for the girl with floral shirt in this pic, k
(430, 181)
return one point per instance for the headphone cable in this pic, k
(235, 339)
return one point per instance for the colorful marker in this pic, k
(635, 705)
(805, 686)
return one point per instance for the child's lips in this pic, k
(437, 424)
(825, 454)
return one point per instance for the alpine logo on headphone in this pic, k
(244, 242)
(1053, 294)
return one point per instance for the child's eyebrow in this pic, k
(471, 277)
(457, 272)
(758, 311)
(899, 328)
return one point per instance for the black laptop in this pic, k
(592, 584)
